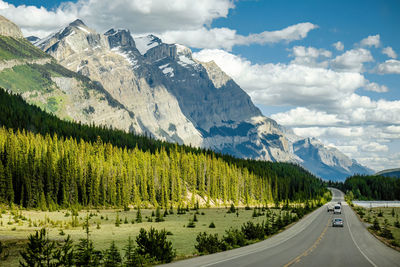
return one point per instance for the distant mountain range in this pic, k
(149, 87)
(390, 173)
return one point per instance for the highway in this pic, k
(310, 242)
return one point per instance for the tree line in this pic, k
(46, 162)
(372, 187)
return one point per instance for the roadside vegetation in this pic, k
(384, 223)
(66, 178)
(190, 231)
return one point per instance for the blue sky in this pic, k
(281, 53)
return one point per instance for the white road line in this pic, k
(263, 248)
(365, 256)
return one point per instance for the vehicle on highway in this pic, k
(337, 222)
(329, 208)
(337, 209)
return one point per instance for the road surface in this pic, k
(310, 242)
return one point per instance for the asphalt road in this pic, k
(310, 242)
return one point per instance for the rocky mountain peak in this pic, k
(77, 23)
(144, 43)
(120, 38)
(8, 28)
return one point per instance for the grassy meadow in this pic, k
(15, 226)
(387, 218)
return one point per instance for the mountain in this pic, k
(39, 79)
(145, 86)
(173, 97)
(390, 173)
(327, 162)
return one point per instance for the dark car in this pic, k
(337, 222)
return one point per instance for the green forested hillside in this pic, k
(12, 48)
(53, 162)
(373, 187)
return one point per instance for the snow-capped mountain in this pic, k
(176, 98)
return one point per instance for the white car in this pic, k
(337, 209)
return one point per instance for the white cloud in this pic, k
(36, 21)
(309, 56)
(281, 84)
(374, 87)
(137, 15)
(184, 21)
(389, 52)
(375, 147)
(301, 116)
(227, 38)
(339, 46)
(372, 40)
(352, 60)
(389, 66)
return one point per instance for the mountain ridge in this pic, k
(172, 97)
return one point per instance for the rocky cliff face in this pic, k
(176, 98)
(113, 60)
(8, 28)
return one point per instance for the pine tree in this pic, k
(138, 216)
(64, 255)
(85, 254)
(112, 257)
(131, 257)
(40, 250)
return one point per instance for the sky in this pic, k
(326, 69)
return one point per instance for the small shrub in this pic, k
(234, 238)
(14, 228)
(195, 218)
(212, 225)
(191, 224)
(232, 209)
(253, 231)
(126, 220)
(154, 244)
(61, 232)
(208, 243)
(386, 233)
(380, 213)
(375, 226)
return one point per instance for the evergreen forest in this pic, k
(48, 163)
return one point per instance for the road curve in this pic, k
(310, 242)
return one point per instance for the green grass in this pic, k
(372, 213)
(183, 238)
(12, 48)
(25, 78)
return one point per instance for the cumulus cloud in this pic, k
(137, 15)
(389, 52)
(326, 103)
(227, 38)
(352, 60)
(185, 21)
(375, 147)
(309, 56)
(374, 87)
(372, 40)
(391, 66)
(339, 46)
(36, 21)
(306, 117)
